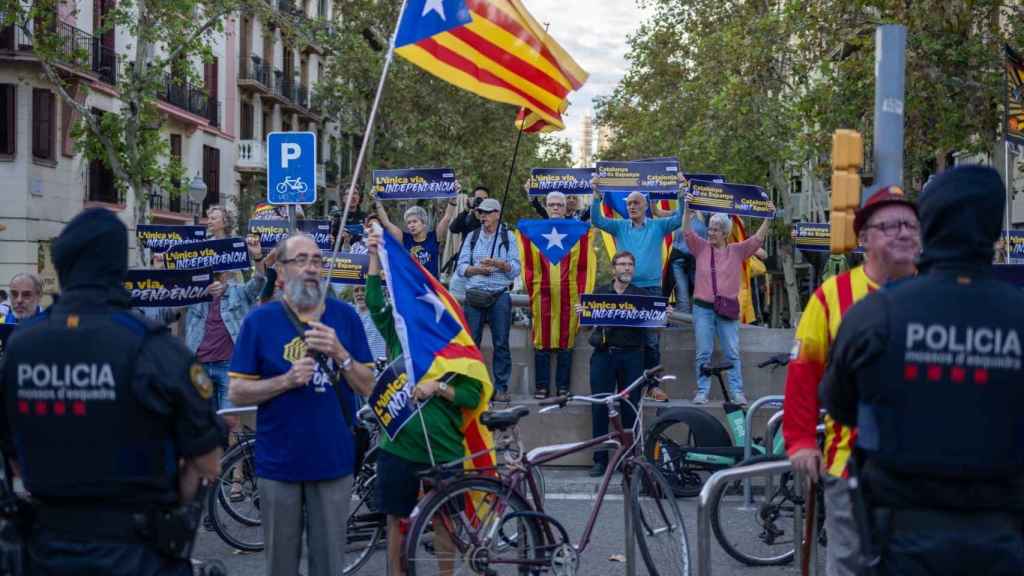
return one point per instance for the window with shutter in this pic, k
(8, 119)
(42, 124)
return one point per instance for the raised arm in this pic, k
(442, 225)
(762, 230)
(395, 231)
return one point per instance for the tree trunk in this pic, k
(785, 247)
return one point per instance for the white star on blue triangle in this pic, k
(425, 18)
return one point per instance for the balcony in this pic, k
(250, 156)
(253, 74)
(191, 98)
(280, 88)
(78, 50)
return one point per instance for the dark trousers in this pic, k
(542, 366)
(51, 554)
(652, 338)
(610, 371)
(954, 543)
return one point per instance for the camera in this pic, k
(475, 202)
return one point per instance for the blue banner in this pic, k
(716, 178)
(160, 237)
(155, 288)
(1010, 273)
(273, 231)
(1015, 251)
(391, 400)
(564, 180)
(623, 310)
(658, 179)
(738, 199)
(349, 269)
(413, 183)
(555, 238)
(218, 255)
(814, 237)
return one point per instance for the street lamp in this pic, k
(197, 192)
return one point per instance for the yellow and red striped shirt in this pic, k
(818, 327)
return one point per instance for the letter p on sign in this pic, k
(289, 151)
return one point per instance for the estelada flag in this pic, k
(492, 48)
(435, 338)
(1014, 124)
(557, 266)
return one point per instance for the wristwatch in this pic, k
(442, 386)
(346, 364)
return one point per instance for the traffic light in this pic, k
(847, 160)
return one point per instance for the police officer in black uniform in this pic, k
(106, 417)
(930, 370)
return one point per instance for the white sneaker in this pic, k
(700, 398)
(739, 398)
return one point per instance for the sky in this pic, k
(594, 32)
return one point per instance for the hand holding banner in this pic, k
(273, 231)
(391, 400)
(565, 180)
(155, 288)
(414, 183)
(658, 179)
(736, 199)
(623, 310)
(219, 255)
(160, 237)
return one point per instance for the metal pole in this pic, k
(627, 514)
(362, 151)
(508, 181)
(1009, 196)
(890, 62)
(748, 440)
(291, 219)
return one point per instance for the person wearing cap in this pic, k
(887, 228)
(106, 417)
(489, 260)
(930, 370)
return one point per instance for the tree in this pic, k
(754, 90)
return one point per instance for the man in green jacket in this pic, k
(399, 460)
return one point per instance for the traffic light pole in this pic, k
(890, 65)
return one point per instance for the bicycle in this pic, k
(486, 522)
(689, 444)
(295, 185)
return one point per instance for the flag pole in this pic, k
(356, 171)
(508, 182)
(1006, 149)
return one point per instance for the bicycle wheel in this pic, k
(474, 527)
(666, 447)
(759, 533)
(233, 502)
(658, 524)
(365, 526)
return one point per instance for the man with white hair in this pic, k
(304, 446)
(26, 291)
(644, 238)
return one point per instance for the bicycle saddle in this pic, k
(715, 369)
(502, 419)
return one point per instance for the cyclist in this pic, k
(931, 371)
(887, 228)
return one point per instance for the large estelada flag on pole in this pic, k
(493, 48)
(435, 338)
(558, 266)
(1014, 97)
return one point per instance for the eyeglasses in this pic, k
(303, 259)
(892, 229)
(556, 204)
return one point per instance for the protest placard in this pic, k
(391, 400)
(623, 310)
(657, 178)
(565, 180)
(349, 269)
(736, 199)
(155, 288)
(219, 255)
(160, 237)
(273, 231)
(414, 183)
(1015, 249)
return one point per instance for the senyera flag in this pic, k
(435, 338)
(532, 123)
(492, 48)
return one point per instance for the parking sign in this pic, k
(291, 167)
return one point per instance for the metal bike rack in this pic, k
(749, 440)
(715, 484)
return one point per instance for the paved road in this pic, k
(572, 509)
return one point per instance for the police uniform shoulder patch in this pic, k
(200, 381)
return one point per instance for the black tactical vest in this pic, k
(946, 398)
(79, 430)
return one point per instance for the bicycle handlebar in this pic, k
(650, 375)
(777, 360)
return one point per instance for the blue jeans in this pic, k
(684, 279)
(218, 372)
(499, 316)
(706, 324)
(652, 336)
(611, 371)
(542, 366)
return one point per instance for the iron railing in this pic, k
(194, 99)
(75, 47)
(253, 68)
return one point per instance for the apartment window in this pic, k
(43, 125)
(248, 119)
(102, 184)
(211, 175)
(8, 119)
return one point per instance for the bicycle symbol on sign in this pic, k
(292, 188)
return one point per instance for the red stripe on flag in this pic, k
(509, 61)
(565, 307)
(476, 443)
(545, 301)
(460, 351)
(837, 437)
(460, 62)
(844, 289)
(484, 9)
